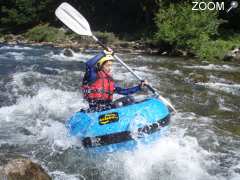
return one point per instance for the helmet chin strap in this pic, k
(107, 73)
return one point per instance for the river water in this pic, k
(39, 91)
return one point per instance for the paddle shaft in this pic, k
(125, 65)
(76, 22)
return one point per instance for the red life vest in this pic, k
(101, 89)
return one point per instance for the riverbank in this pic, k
(46, 35)
(84, 44)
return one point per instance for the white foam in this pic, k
(16, 47)
(18, 77)
(177, 156)
(44, 114)
(57, 136)
(58, 175)
(145, 69)
(214, 67)
(30, 82)
(18, 86)
(222, 105)
(62, 57)
(229, 88)
(234, 175)
(55, 69)
(215, 79)
(16, 55)
(177, 72)
(124, 75)
(174, 157)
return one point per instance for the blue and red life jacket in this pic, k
(101, 89)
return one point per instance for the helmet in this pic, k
(105, 58)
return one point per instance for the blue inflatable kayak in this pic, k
(120, 128)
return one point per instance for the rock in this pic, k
(2, 40)
(23, 169)
(122, 50)
(178, 52)
(124, 45)
(24, 131)
(195, 78)
(232, 55)
(9, 37)
(2, 176)
(237, 57)
(68, 52)
(236, 50)
(228, 57)
(149, 51)
(76, 49)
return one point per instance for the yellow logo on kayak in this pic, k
(108, 118)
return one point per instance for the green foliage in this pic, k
(120, 17)
(45, 33)
(213, 50)
(216, 49)
(234, 38)
(21, 12)
(181, 27)
(17, 15)
(111, 16)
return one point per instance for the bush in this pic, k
(234, 38)
(45, 33)
(213, 50)
(216, 49)
(183, 28)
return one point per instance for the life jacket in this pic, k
(101, 89)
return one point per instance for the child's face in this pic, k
(107, 67)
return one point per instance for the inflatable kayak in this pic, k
(120, 128)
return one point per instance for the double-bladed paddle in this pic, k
(77, 23)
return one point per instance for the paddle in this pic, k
(77, 23)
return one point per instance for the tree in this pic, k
(180, 26)
(18, 15)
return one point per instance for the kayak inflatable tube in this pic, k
(120, 128)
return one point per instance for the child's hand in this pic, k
(109, 51)
(144, 83)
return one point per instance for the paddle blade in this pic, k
(73, 19)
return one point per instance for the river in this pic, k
(39, 91)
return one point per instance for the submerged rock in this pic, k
(23, 169)
(24, 131)
(196, 78)
(68, 52)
